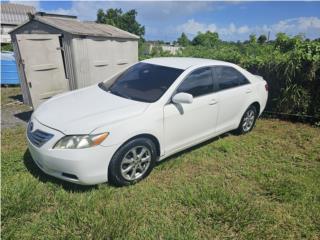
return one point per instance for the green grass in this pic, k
(10, 97)
(9, 94)
(263, 185)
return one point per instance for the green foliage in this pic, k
(252, 38)
(296, 94)
(143, 49)
(183, 40)
(262, 39)
(125, 21)
(154, 49)
(157, 51)
(285, 43)
(6, 47)
(208, 39)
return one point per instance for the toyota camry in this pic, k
(119, 129)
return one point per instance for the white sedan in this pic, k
(117, 130)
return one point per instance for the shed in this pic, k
(57, 53)
(12, 15)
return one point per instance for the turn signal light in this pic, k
(99, 139)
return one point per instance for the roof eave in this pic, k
(130, 35)
(19, 26)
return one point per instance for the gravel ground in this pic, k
(13, 111)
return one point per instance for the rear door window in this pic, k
(198, 83)
(228, 77)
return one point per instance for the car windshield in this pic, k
(143, 82)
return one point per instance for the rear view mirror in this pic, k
(182, 98)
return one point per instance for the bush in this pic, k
(6, 47)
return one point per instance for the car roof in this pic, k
(183, 62)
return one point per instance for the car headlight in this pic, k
(80, 141)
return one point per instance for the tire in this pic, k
(248, 120)
(132, 162)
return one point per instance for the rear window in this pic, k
(144, 82)
(228, 77)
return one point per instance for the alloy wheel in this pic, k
(135, 163)
(248, 120)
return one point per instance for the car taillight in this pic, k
(267, 87)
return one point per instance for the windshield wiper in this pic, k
(103, 87)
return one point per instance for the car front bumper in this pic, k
(86, 166)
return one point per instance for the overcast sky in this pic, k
(232, 20)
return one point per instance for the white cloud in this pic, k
(63, 11)
(147, 10)
(309, 26)
(302, 24)
(192, 27)
(84, 10)
(243, 29)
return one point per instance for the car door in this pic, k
(232, 89)
(187, 124)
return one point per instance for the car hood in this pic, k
(82, 111)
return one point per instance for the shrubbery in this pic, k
(6, 47)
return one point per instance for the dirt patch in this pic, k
(13, 111)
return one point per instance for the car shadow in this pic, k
(17, 97)
(24, 116)
(41, 176)
(195, 147)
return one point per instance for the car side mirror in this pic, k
(182, 98)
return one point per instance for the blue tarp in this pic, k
(9, 71)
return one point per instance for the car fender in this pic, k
(151, 123)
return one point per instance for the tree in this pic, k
(285, 43)
(281, 39)
(125, 21)
(262, 39)
(208, 39)
(252, 38)
(183, 40)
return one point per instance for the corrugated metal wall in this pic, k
(9, 71)
(81, 62)
(96, 59)
(69, 64)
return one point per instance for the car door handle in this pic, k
(248, 91)
(213, 102)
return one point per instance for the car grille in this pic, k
(38, 137)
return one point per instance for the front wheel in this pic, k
(248, 120)
(132, 162)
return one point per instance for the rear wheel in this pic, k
(248, 120)
(132, 162)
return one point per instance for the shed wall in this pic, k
(23, 83)
(96, 59)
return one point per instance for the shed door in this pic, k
(43, 65)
